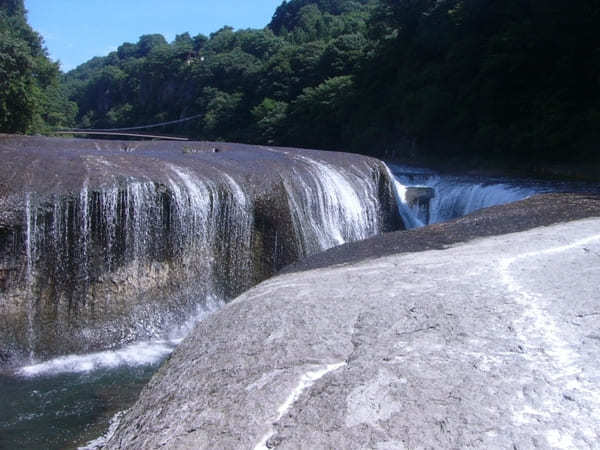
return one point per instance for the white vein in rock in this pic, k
(306, 381)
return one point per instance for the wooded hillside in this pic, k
(481, 81)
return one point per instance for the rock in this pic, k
(472, 345)
(419, 197)
(419, 194)
(105, 242)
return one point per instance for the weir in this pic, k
(118, 247)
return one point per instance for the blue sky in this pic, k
(75, 31)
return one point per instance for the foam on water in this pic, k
(137, 354)
(142, 353)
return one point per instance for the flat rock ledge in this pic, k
(489, 343)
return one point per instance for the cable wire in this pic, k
(141, 127)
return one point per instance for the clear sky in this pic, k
(75, 31)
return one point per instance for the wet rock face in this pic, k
(106, 242)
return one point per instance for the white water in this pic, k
(101, 230)
(456, 199)
(456, 196)
(409, 215)
(138, 354)
(109, 201)
(207, 225)
(85, 230)
(331, 206)
(29, 249)
(192, 209)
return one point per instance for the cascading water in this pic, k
(130, 257)
(459, 199)
(409, 216)
(131, 237)
(129, 234)
(29, 249)
(331, 206)
(133, 234)
(118, 266)
(457, 196)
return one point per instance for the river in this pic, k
(69, 401)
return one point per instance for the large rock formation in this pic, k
(106, 242)
(492, 343)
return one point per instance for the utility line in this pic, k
(110, 133)
(141, 127)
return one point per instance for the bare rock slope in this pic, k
(489, 343)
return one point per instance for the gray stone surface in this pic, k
(493, 343)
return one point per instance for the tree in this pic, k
(270, 117)
(320, 115)
(30, 95)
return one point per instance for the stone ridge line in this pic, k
(561, 357)
(306, 381)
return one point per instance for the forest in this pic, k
(478, 82)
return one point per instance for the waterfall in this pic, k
(29, 254)
(125, 240)
(132, 258)
(330, 205)
(409, 216)
(457, 196)
(457, 199)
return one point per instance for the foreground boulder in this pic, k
(106, 242)
(490, 343)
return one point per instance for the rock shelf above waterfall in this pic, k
(103, 243)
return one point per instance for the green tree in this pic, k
(221, 118)
(320, 116)
(31, 100)
(270, 118)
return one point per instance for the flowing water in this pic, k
(66, 409)
(70, 400)
(126, 229)
(331, 206)
(459, 195)
(67, 401)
